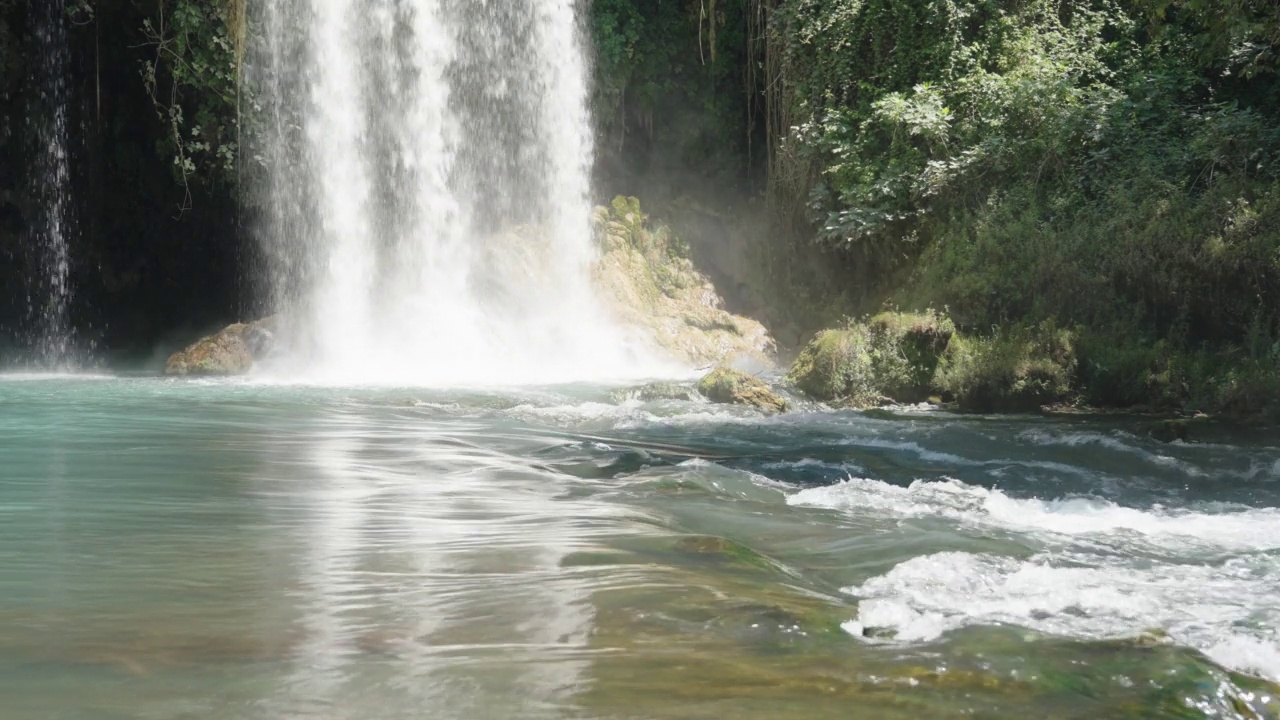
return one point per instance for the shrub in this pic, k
(1118, 371)
(1017, 371)
(891, 357)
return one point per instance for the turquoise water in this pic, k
(186, 549)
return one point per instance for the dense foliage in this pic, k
(193, 79)
(1099, 163)
(675, 92)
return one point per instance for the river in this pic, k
(237, 549)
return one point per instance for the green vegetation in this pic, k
(892, 357)
(909, 357)
(194, 82)
(1090, 188)
(912, 357)
(1018, 371)
(674, 86)
(1110, 167)
(1065, 163)
(734, 387)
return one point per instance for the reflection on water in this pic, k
(420, 550)
(223, 550)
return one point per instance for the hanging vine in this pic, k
(193, 79)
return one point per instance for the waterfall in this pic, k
(49, 295)
(426, 189)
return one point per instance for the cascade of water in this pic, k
(427, 168)
(50, 293)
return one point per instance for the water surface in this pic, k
(189, 549)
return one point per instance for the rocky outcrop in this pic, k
(231, 351)
(734, 387)
(648, 279)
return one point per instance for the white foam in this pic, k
(1207, 576)
(1229, 610)
(1228, 528)
(46, 376)
(813, 463)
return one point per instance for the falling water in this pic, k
(50, 291)
(427, 168)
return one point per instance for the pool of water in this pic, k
(190, 549)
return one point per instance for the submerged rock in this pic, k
(1178, 429)
(654, 392)
(734, 387)
(231, 351)
(651, 284)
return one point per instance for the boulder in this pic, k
(734, 387)
(231, 351)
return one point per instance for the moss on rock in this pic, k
(733, 387)
(890, 358)
(1019, 371)
(654, 392)
(231, 351)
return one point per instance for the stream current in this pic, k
(232, 549)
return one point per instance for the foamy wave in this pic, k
(1230, 528)
(1228, 611)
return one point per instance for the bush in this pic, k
(1248, 390)
(1119, 371)
(1017, 371)
(891, 357)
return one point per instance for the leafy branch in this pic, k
(193, 80)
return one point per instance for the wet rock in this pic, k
(1178, 429)
(231, 351)
(654, 392)
(734, 387)
(260, 340)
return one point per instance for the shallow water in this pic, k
(187, 549)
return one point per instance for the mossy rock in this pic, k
(1018, 371)
(733, 387)
(890, 358)
(231, 351)
(1180, 429)
(833, 366)
(654, 392)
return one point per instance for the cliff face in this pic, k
(149, 257)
